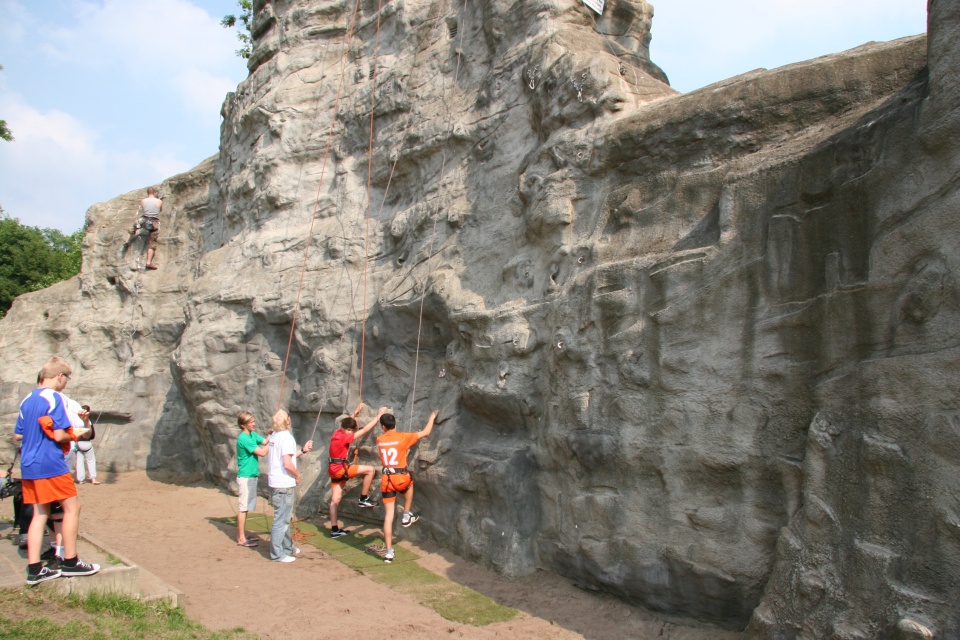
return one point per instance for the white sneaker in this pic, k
(388, 557)
(286, 559)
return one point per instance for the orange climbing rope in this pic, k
(303, 269)
(433, 234)
(366, 233)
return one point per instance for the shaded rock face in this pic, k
(698, 351)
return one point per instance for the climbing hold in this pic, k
(532, 76)
(443, 373)
(560, 344)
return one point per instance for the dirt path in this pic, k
(171, 530)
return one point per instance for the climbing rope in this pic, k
(433, 233)
(326, 154)
(366, 234)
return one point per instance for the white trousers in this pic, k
(86, 460)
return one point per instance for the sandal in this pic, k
(248, 543)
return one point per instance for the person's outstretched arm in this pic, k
(370, 425)
(430, 422)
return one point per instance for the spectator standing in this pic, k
(283, 479)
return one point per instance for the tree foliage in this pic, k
(32, 258)
(243, 35)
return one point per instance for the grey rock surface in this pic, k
(698, 351)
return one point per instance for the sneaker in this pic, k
(45, 573)
(296, 551)
(338, 533)
(286, 559)
(56, 562)
(49, 554)
(388, 556)
(409, 518)
(80, 569)
(23, 541)
(367, 503)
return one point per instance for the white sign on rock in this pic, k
(596, 5)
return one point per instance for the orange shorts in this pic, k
(338, 470)
(48, 490)
(391, 485)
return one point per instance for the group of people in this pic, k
(282, 452)
(49, 425)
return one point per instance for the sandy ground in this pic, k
(170, 529)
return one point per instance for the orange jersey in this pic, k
(393, 447)
(46, 423)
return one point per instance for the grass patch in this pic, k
(453, 601)
(45, 614)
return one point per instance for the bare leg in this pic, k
(408, 499)
(241, 524)
(388, 508)
(368, 473)
(71, 525)
(150, 253)
(35, 532)
(336, 493)
(58, 535)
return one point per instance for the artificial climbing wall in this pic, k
(697, 351)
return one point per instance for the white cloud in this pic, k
(58, 167)
(106, 96)
(14, 17)
(163, 45)
(53, 128)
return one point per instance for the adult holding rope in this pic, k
(341, 470)
(283, 480)
(393, 447)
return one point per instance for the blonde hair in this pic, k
(244, 418)
(281, 421)
(54, 367)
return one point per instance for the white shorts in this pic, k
(248, 494)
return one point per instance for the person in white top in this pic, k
(283, 479)
(148, 218)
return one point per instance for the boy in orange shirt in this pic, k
(393, 447)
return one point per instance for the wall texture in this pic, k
(699, 351)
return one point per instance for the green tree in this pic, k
(32, 258)
(245, 18)
(5, 132)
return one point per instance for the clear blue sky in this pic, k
(107, 96)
